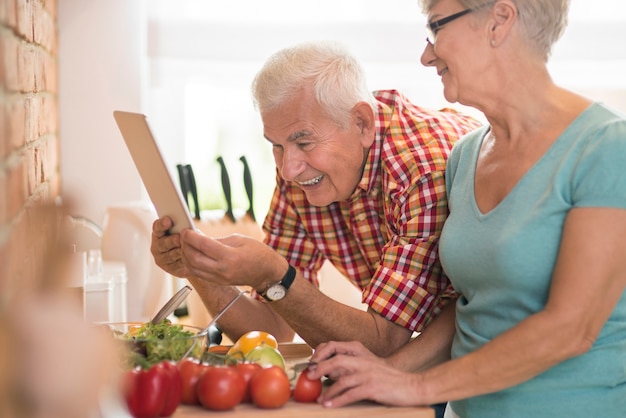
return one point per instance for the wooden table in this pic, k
(305, 410)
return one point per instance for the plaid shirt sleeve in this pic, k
(409, 286)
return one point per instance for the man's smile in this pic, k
(311, 182)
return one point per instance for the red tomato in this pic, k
(270, 388)
(220, 388)
(247, 370)
(307, 390)
(174, 392)
(190, 370)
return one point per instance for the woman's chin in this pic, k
(449, 95)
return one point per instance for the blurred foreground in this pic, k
(53, 363)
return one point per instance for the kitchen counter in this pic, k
(304, 410)
(295, 353)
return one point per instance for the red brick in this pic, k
(33, 169)
(4, 129)
(16, 189)
(39, 67)
(16, 123)
(50, 80)
(9, 14)
(4, 33)
(49, 114)
(26, 67)
(4, 219)
(33, 113)
(5, 283)
(25, 19)
(43, 29)
(10, 54)
(52, 158)
(38, 18)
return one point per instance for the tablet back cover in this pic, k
(148, 159)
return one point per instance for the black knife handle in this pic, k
(191, 178)
(184, 185)
(247, 182)
(226, 188)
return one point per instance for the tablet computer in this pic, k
(143, 148)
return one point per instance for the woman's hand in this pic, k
(360, 375)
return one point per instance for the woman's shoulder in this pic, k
(599, 116)
(599, 126)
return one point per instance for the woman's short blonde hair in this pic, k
(542, 22)
(336, 78)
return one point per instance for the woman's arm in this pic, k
(588, 281)
(431, 347)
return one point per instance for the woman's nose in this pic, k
(428, 55)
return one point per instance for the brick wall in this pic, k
(29, 143)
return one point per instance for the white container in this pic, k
(94, 265)
(98, 301)
(77, 277)
(126, 237)
(114, 272)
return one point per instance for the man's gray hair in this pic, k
(334, 76)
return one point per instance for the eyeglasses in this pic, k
(433, 27)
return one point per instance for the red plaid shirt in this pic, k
(384, 237)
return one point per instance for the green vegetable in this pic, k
(150, 344)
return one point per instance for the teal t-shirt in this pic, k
(501, 263)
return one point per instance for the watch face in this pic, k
(275, 292)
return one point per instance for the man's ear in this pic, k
(503, 16)
(363, 115)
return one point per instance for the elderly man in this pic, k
(360, 182)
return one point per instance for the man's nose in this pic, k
(291, 165)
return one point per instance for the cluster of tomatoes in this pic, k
(157, 391)
(220, 388)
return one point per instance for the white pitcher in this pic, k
(126, 235)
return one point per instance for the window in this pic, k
(203, 56)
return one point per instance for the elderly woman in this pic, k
(534, 244)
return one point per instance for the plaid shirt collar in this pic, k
(370, 179)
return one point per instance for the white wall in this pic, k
(101, 68)
(111, 58)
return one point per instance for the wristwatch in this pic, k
(276, 291)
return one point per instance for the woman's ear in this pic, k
(503, 16)
(363, 115)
